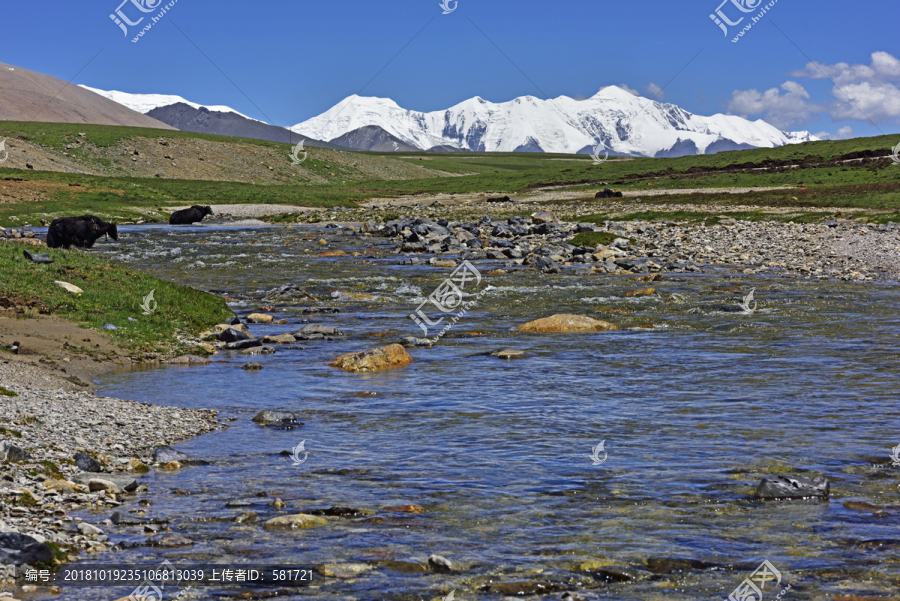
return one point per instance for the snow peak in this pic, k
(745, 6)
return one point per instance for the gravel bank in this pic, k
(37, 491)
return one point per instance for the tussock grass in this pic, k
(112, 294)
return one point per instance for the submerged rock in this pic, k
(340, 512)
(508, 353)
(439, 563)
(566, 323)
(252, 367)
(413, 342)
(273, 417)
(668, 565)
(294, 522)
(189, 360)
(387, 357)
(167, 454)
(168, 539)
(786, 487)
(121, 518)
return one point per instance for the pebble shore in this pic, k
(37, 492)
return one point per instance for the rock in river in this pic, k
(784, 487)
(508, 353)
(252, 367)
(386, 357)
(167, 454)
(275, 417)
(413, 342)
(438, 563)
(294, 522)
(233, 335)
(17, 549)
(260, 318)
(242, 344)
(168, 539)
(566, 323)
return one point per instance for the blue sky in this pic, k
(285, 62)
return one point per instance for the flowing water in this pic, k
(693, 413)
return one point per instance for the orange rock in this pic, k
(333, 253)
(405, 509)
(644, 292)
(566, 323)
(386, 357)
(648, 278)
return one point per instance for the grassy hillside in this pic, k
(849, 173)
(112, 294)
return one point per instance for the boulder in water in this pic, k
(566, 323)
(773, 488)
(387, 357)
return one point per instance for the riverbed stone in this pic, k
(509, 353)
(413, 342)
(123, 481)
(387, 357)
(167, 454)
(17, 549)
(315, 329)
(566, 323)
(272, 417)
(168, 539)
(233, 335)
(540, 217)
(519, 589)
(96, 484)
(791, 487)
(11, 452)
(189, 360)
(252, 367)
(243, 344)
(260, 318)
(440, 564)
(300, 521)
(86, 463)
(280, 339)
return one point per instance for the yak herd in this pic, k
(84, 231)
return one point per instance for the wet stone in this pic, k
(786, 487)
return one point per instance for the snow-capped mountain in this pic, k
(616, 120)
(144, 103)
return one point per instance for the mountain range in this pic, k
(613, 121)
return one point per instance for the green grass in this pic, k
(112, 294)
(710, 218)
(9, 432)
(873, 185)
(9, 393)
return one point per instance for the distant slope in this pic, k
(204, 121)
(373, 138)
(144, 103)
(30, 96)
(614, 119)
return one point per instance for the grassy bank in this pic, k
(112, 295)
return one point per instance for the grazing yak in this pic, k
(82, 231)
(188, 216)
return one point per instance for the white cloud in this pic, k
(655, 92)
(844, 133)
(631, 91)
(862, 92)
(781, 110)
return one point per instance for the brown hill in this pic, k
(29, 96)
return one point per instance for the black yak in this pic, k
(82, 231)
(188, 216)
